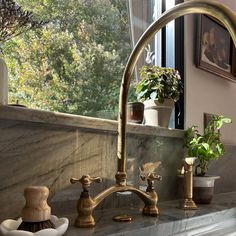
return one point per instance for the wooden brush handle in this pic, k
(36, 208)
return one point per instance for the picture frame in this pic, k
(206, 118)
(215, 50)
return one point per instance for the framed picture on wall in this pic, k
(215, 49)
(206, 119)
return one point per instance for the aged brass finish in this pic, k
(86, 204)
(188, 203)
(122, 218)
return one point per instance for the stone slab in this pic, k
(218, 218)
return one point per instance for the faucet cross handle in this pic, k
(86, 181)
(151, 177)
(147, 173)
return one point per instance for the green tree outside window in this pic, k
(74, 64)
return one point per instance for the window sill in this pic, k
(56, 118)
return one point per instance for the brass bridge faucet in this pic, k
(85, 205)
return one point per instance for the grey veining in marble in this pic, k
(46, 148)
(39, 153)
(56, 118)
(218, 218)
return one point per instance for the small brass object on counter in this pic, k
(122, 218)
(188, 203)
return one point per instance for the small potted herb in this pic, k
(205, 147)
(159, 89)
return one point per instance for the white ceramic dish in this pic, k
(9, 228)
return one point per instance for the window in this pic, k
(75, 63)
(164, 45)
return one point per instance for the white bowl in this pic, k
(9, 228)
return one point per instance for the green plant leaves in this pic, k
(221, 121)
(153, 95)
(158, 83)
(206, 146)
(142, 93)
(75, 63)
(220, 148)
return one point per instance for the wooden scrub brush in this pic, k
(36, 213)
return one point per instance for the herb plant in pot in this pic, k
(205, 147)
(159, 88)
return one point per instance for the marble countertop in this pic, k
(218, 218)
(57, 118)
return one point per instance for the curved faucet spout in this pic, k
(212, 8)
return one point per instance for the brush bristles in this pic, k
(36, 226)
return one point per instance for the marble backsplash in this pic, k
(44, 148)
(38, 153)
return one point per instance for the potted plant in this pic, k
(135, 109)
(205, 147)
(159, 88)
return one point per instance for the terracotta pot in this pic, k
(203, 189)
(158, 114)
(135, 112)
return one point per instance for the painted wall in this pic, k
(206, 92)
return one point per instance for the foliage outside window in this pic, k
(14, 21)
(74, 64)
